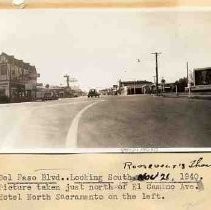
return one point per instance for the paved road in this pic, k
(116, 121)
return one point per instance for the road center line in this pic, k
(72, 136)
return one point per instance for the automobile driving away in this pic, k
(93, 93)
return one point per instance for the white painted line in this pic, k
(72, 136)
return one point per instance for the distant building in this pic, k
(134, 87)
(58, 90)
(168, 87)
(109, 91)
(18, 79)
(163, 88)
(106, 91)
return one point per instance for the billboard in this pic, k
(202, 76)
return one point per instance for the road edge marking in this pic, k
(72, 135)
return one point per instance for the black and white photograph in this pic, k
(105, 78)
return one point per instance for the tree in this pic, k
(47, 86)
(163, 81)
(181, 84)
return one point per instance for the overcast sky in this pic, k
(99, 47)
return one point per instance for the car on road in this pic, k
(93, 93)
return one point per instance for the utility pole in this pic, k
(68, 80)
(187, 73)
(188, 83)
(156, 68)
(134, 87)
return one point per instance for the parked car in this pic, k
(45, 95)
(93, 93)
(50, 96)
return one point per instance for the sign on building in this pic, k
(202, 79)
(202, 76)
(30, 86)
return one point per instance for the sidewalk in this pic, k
(184, 95)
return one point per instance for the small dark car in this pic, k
(93, 93)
